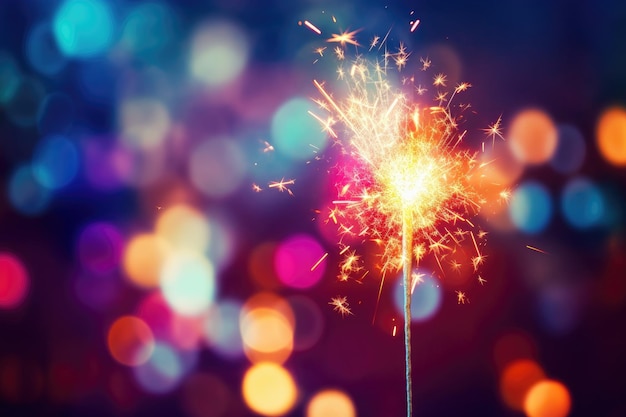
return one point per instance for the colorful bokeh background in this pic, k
(141, 274)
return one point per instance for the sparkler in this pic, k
(404, 179)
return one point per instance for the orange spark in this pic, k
(282, 185)
(440, 80)
(461, 298)
(340, 305)
(320, 50)
(494, 130)
(319, 262)
(537, 249)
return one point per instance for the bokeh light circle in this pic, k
(570, 151)
(582, 203)
(294, 261)
(163, 371)
(188, 282)
(295, 132)
(517, 379)
(144, 122)
(309, 322)
(55, 162)
(425, 301)
(130, 341)
(98, 80)
(219, 53)
(548, 398)
(611, 135)
(559, 307)
(26, 194)
(217, 167)
(223, 238)
(155, 18)
(23, 106)
(184, 227)
(154, 310)
(14, 281)
(269, 389)
(98, 292)
(261, 266)
(530, 207)
(330, 403)
(221, 328)
(100, 247)
(266, 331)
(83, 28)
(42, 50)
(532, 136)
(144, 256)
(9, 77)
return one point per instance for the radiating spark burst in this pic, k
(344, 38)
(461, 298)
(320, 51)
(404, 182)
(440, 80)
(425, 63)
(282, 185)
(494, 130)
(341, 305)
(339, 53)
(402, 159)
(374, 42)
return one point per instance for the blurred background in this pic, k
(150, 265)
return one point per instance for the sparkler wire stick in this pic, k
(407, 244)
